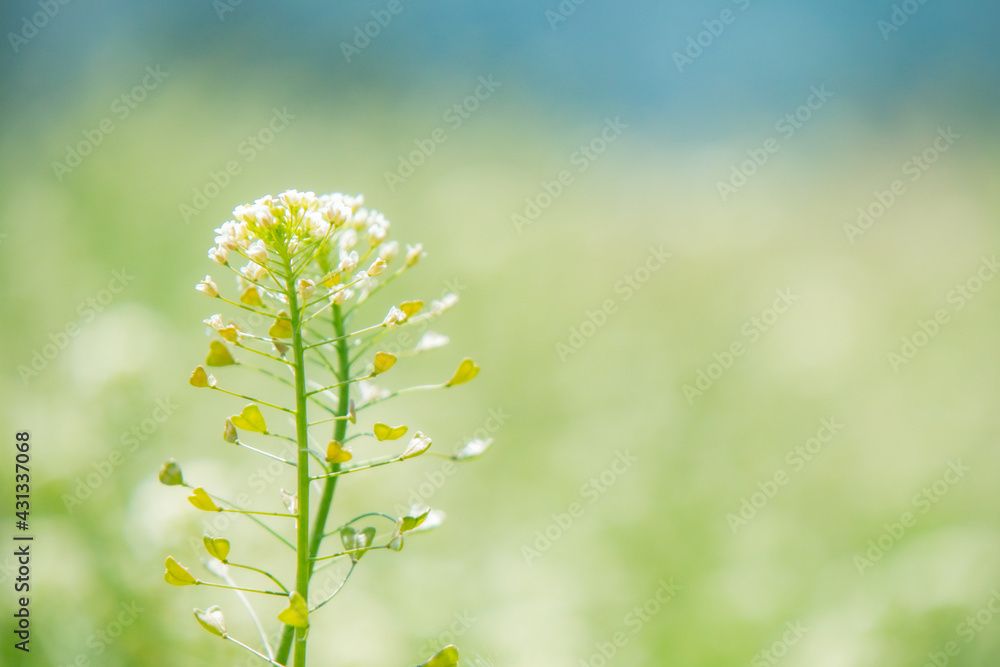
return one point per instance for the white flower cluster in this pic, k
(289, 220)
(276, 229)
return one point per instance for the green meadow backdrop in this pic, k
(730, 271)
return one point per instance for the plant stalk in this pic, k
(303, 566)
(330, 484)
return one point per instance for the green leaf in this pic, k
(217, 547)
(383, 362)
(446, 657)
(176, 574)
(200, 499)
(386, 432)
(465, 372)
(337, 453)
(218, 355)
(296, 615)
(250, 419)
(212, 620)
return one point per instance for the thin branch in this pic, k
(254, 651)
(238, 443)
(339, 588)
(253, 400)
(199, 582)
(359, 468)
(252, 518)
(253, 614)
(254, 569)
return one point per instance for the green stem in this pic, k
(339, 430)
(330, 485)
(303, 566)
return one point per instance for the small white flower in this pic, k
(377, 233)
(395, 316)
(363, 281)
(354, 202)
(348, 261)
(215, 321)
(359, 219)
(389, 251)
(316, 225)
(226, 242)
(446, 302)
(257, 252)
(348, 239)
(219, 255)
(294, 199)
(414, 253)
(234, 229)
(246, 214)
(253, 271)
(207, 287)
(431, 341)
(369, 391)
(342, 295)
(336, 213)
(377, 267)
(265, 215)
(305, 288)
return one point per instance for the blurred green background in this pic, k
(817, 547)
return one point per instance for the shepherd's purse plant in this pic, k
(309, 265)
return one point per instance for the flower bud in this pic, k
(257, 252)
(389, 251)
(348, 261)
(342, 295)
(305, 288)
(253, 271)
(219, 255)
(414, 253)
(394, 317)
(207, 287)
